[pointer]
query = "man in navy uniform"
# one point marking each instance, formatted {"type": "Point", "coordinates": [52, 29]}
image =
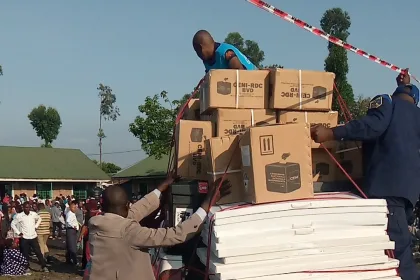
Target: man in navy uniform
{"type": "Point", "coordinates": [390, 133]}
{"type": "Point", "coordinates": [219, 55]}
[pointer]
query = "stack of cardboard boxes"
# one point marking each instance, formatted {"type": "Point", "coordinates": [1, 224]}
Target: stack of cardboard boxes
{"type": "Point", "coordinates": [274, 159]}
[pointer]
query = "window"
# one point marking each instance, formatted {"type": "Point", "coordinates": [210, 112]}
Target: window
{"type": "Point", "coordinates": [44, 190]}
{"type": "Point", "coordinates": [80, 191]}
{"type": "Point", "coordinates": [8, 189]}
{"type": "Point", "coordinates": [143, 189]}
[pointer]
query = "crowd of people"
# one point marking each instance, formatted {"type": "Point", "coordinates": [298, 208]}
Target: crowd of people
{"type": "Point", "coordinates": [27, 223]}
{"type": "Point", "coordinates": [119, 238]}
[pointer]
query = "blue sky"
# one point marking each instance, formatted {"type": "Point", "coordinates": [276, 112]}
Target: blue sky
{"type": "Point", "coordinates": [57, 52]}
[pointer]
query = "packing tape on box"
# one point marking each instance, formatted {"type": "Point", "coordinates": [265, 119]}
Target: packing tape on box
{"type": "Point", "coordinates": [318, 32]}
{"type": "Point", "coordinates": [237, 90]}
{"type": "Point", "coordinates": [223, 172]}
{"type": "Point", "coordinates": [300, 89]}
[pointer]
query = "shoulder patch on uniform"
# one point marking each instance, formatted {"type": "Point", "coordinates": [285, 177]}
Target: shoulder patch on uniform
{"type": "Point", "coordinates": [379, 100]}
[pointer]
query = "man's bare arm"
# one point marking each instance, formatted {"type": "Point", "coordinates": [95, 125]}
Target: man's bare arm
{"type": "Point", "coordinates": [233, 60]}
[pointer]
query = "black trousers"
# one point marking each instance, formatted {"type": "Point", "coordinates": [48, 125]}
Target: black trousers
{"type": "Point", "coordinates": [27, 244]}
{"type": "Point", "coordinates": [399, 214]}
{"type": "Point", "coordinates": [56, 226]}
{"type": "Point", "coordinates": [71, 245]}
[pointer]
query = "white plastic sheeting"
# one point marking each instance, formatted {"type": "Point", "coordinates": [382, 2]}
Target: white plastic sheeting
{"type": "Point", "coordinates": [300, 239]}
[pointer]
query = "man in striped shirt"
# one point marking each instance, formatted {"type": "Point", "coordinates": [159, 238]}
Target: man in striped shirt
{"type": "Point", "coordinates": [43, 230]}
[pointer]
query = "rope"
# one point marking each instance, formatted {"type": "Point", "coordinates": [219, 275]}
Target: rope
{"type": "Point", "coordinates": [172, 155]}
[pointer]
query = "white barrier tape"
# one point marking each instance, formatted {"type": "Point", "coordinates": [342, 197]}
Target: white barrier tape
{"type": "Point", "coordinates": [318, 32]}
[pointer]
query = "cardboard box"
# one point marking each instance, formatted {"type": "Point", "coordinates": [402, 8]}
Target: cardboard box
{"type": "Point", "coordinates": [219, 152]}
{"type": "Point", "coordinates": [192, 111]}
{"type": "Point", "coordinates": [277, 163]}
{"type": "Point", "coordinates": [324, 169]}
{"type": "Point", "coordinates": [349, 155]}
{"type": "Point", "coordinates": [236, 121]}
{"type": "Point", "coordinates": [234, 89]}
{"type": "Point", "coordinates": [301, 90]}
{"type": "Point", "coordinates": [327, 119]}
{"type": "Point", "coordinates": [190, 149]}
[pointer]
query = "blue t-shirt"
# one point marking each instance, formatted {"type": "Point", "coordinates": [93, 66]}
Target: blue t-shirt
{"type": "Point", "coordinates": [220, 61]}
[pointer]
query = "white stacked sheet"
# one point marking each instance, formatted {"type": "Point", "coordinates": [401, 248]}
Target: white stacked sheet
{"type": "Point", "coordinates": [291, 240]}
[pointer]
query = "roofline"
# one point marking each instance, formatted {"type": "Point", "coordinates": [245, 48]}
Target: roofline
{"type": "Point", "coordinates": [130, 166]}
{"type": "Point", "coordinates": [53, 180]}
{"type": "Point", "coordinates": [139, 177]}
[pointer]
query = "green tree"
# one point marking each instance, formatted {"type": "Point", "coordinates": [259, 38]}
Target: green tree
{"type": "Point", "coordinates": [154, 127]}
{"type": "Point", "coordinates": [1, 71]}
{"type": "Point", "coordinates": [337, 22]}
{"type": "Point", "coordinates": [46, 122]}
{"type": "Point", "coordinates": [108, 167]}
{"type": "Point", "coordinates": [249, 48]}
{"type": "Point", "coordinates": [360, 106]}
{"type": "Point", "coordinates": [273, 66]}
{"type": "Point", "coordinates": [108, 111]}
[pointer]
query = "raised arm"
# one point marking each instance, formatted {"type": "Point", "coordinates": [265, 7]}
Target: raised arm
{"type": "Point", "coordinates": [146, 205]}
{"type": "Point", "coordinates": [142, 237]}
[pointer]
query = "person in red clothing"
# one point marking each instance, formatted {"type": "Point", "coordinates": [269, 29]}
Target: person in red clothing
{"type": "Point", "coordinates": [86, 261]}
{"type": "Point", "coordinates": [6, 199]}
{"type": "Point", "coordinates": [91, 210]}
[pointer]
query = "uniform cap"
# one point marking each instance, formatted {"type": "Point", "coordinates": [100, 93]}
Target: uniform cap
{"type": "Point", "coordinates": [409, 89]}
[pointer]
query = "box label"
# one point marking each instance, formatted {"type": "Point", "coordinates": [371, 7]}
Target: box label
{"type": "Point", "coordinates": [283, 177]}
{"type": "Point", "coordinates": [266, 145]}
{"type": "Point", "coordinates": [248, 87]}
{"type": "Point", "coordinates": [225, 87]}
{"type": "Point", "coordinates": [236, 129]}
{"type": "Point", "coordinates": [196, 135]}
{"type": "Point", "coordinates": [203, 187]}
{"type": "Point", "coordinates": [197, 159]}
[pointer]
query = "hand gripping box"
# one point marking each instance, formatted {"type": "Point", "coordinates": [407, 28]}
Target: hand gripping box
{"type": "Point", "coordinates": [277, 163]}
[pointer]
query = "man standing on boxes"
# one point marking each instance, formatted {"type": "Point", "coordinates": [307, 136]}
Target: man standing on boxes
{"type": "Point", "coordinates": [390, 133]}
{"type": "Point", "coordinates": [219, 55]}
